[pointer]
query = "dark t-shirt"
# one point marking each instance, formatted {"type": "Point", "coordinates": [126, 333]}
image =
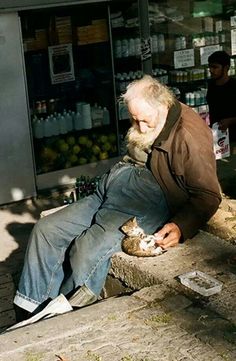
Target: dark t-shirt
{"type": "Point", "coordinates": [222, 103]}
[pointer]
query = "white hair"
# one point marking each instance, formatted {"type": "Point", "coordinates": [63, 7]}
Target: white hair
{"type": "Point", "coordinates": [150, 90]}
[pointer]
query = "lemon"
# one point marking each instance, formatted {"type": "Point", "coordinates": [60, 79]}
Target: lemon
{"type": "Point", "coordinates": [103, 138]}
{"type": "Point", "coordinates": [103, 155]}
{"type": "Point", "coordinates": [76, 149]}
{"type": "Point", "coordinates": [112, 137]}
{"type": "Point", "coordinates": [106, 146]}
{"type": "Point", "coordinates": [73, 158]}
{"type": "Point", "coordinates": [92, 159]}
{"type": "Point", "coordinates": [96, 149]}
{"type": "Point", "coordinates": [89, 143]}
{"type": "Point", "coordinates": [82, 139]}
{"type": "Point", "coordinates": [70, 140]}
{"type": "Point", "coordinates": [64, 147]}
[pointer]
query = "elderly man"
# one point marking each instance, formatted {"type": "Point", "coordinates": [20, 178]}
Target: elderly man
{"type": "Point", "coordinates": [167, 180]}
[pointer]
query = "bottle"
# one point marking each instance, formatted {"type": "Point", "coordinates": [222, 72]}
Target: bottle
{"type": "Point", "coordinates": [106, 116]}
{"type": "Point", "coordinates": [38, 107]}
{"type": "Point", "coordinates": [78, 121]}
{"type": "Point", "coordinates": [154, 44]}
{"type": "Point", "coordinates": [118, 52]}
{"type": "Point", "coordinates": [69, 122]}
{"type": "Point", "coordinates": [131, 47]}
{"type": "Point", "coordinates": [137, 46]}
{"type": "Point", "coordinates": [191, 99]}
{"type": "Point", "coordinates": [124, 48]}
{"type": "Point", "coordinates": [86, 116]}
{"type": "Point", "coordinates": [43, 107]}
{"type": "Point", "coordinates": [97, 115]}
{"type": "Point", "coordinates": [62, 124]}
{"type": "Point", "coordinates": [38, 131]}
{"type": "Point", "coordinates": [54, 125]}
{"type": "Point", "coordinates": [161, 43]}
{"type": "Point", "coordinates": [47, 127]}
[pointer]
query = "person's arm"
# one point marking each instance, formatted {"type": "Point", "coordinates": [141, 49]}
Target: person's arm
{"type": "Point", "coordinates": [198, 174]}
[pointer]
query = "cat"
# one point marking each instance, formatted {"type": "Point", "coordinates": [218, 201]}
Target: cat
{"type": "Point", "coordinates": [136, 242]}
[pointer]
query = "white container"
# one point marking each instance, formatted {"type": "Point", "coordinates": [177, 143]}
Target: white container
{"type": "Point", "coordinates": [131, 47]}
{"type": "Point", "coordinates": [201, 283]}
{"type": "Point", "coordinates": [86, 116]}
{"type": "Point", "coordinates": [78, 121]}
{"type": "Point", "coordinates": [106, 116]}
{"type": "Point", "coordinates": [62, 124]}
{"type": "Point", "coordinates": [118, 51]}
{"type": "Point", "coordinates": [38, 128]}
{"type": "Point", "coordinates": [69, 122]}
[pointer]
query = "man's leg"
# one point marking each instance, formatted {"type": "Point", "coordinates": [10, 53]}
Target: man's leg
{"type": "Point", "coordinates": [42, 273]}
{"type": "Point", "coordinates": [131, 192]}
{"type": "Point", "coordinates": [90, 256]}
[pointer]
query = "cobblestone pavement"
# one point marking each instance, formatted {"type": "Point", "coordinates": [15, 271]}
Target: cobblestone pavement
{"type": "Point", "coordinates": [153, 324]}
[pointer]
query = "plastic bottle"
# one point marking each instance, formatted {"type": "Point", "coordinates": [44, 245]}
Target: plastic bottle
{"type": "Point", "coordinates": [106, 116]}
{"type": "Point", "coordinates": [131, 47]}
{"type": "Point", "coordinates": [97, 115]}
{"type": "Point", "coordinates": [161, 43]}
{"type": "Point", "coordinates": [62, 124]}
{"type": "Point", "coordinates": [118, 52]}
{"type": "Point", "coordinates": [38, 131]}
{"type": "Point", "coordinates": [137, 46]}
{"type": "Point", "coordinates": [54, 125]}
{"type": "Point", "coordinates": [69, 122]}
{"type": "Point", "coordinates": [154, 44]}
{"type": "Point", "coordinates": [78, 121]}
{"type": "Point", "coordinates": [47, 127]}
{"type": "Point", "coordinates": [124, 48]}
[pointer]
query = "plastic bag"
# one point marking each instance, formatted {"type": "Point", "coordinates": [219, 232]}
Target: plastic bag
{"type": "Point", "coordinates": [221, 142]}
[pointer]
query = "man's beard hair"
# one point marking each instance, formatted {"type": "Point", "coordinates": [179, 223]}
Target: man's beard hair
{"type": "Point", "coordinates": [141, 140]}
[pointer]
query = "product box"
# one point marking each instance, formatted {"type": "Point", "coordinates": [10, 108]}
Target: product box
{"type": "Point", "coordinates": [94, 33]}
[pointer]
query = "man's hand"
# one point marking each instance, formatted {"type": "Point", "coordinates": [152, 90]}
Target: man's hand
{"type": "Point", "coordinates": [168, 236]}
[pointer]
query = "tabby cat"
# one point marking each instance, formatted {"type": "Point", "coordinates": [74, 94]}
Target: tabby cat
{"type": "Point", "coordinates": [136, 242]}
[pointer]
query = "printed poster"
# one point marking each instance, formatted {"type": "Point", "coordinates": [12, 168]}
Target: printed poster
{"type": "Point", "coordinates": [61, 63]}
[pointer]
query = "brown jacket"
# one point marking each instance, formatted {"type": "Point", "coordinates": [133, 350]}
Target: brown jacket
{"type": "Point", "coordinates": [183, 162]}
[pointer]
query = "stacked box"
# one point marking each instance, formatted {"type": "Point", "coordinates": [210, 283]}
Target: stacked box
{"type": "Point", "coordinates": [39, 42]}
{"type": "Point", "coordinates": [96, 32]}
{"type": "Point", "coordinates": [63, 29]}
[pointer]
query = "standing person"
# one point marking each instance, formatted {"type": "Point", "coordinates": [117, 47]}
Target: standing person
{"type": "Point", "coordinates": [221, 94]}
{"type": "Point", "coordinates": [167, 180]}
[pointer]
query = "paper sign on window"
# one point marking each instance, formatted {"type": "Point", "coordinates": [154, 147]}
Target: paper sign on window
{"type": "Point", "coordinates": [61, 63]}
{"type": "Point", "coordinates": [183, 58]}
{"type": "Point", "coordinates": [206, 51]}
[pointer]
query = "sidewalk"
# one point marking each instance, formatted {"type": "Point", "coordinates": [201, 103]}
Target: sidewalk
{"type": "Point", "coordinates": [161, 321]}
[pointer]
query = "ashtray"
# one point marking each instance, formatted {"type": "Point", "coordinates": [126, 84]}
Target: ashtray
{"type": "Point", "coordinates": [201, 283]}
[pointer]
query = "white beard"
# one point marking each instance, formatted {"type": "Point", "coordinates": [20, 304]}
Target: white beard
{"type": "Point", "coordinates": [143, 141]}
